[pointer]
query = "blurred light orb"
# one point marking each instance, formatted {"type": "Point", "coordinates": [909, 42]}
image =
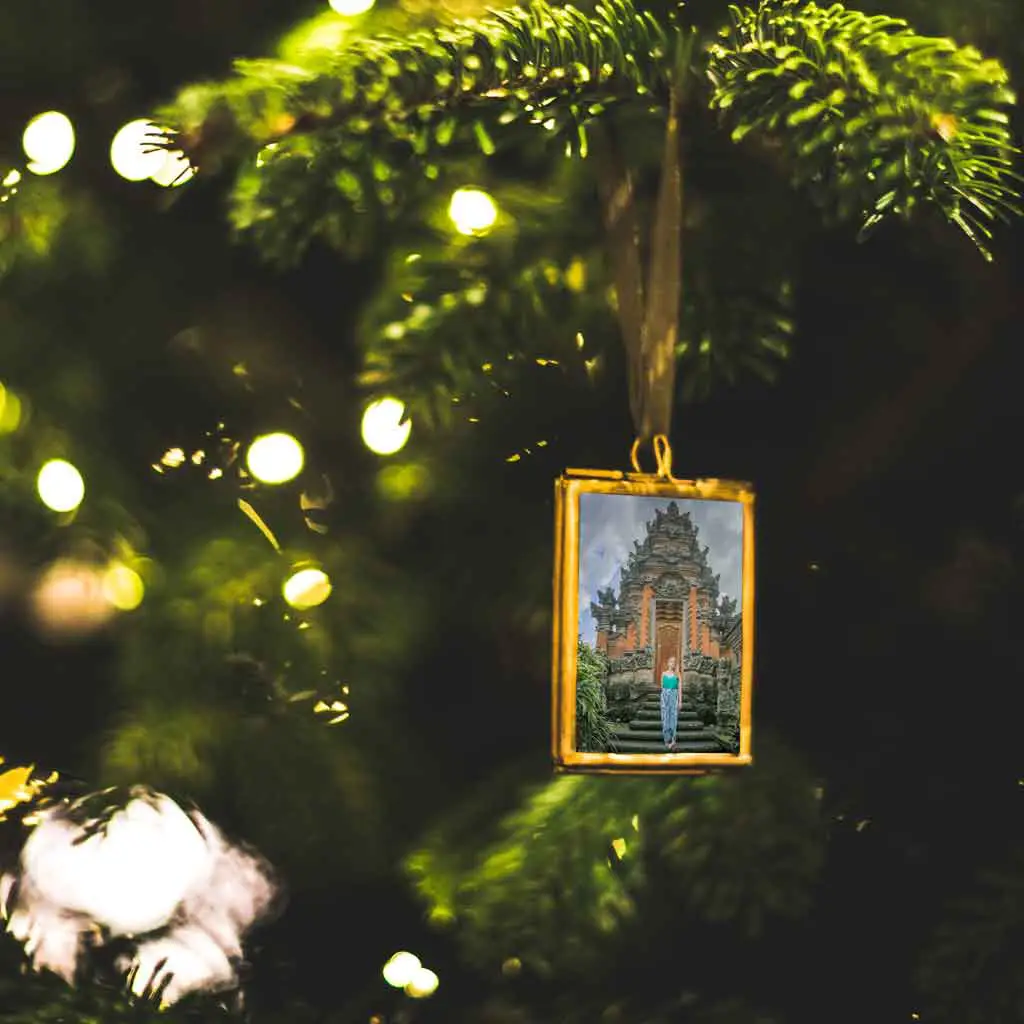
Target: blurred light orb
{"type": "Point", "coordinates": [307, 588]}
{"type": "Point", "coordinates": [10, 411]}
{"type": "Point", "coordinates": [472, 211]}
{"type": "Point", "coordinates": [401, 969]}
{"type": "Point", "coordinates": [131, 878]}
{"type": "Point", "coordinates": [123, 588]}
{"type": "Point", "coordinates": [175, 170]}
{"type": "Point", "coordinates": [131, 153]}
{"type": "Point", "coordinates": [69, 600]}
{"type": "Point", "coordinates": [383, 431]}
{"type": "Point", "coordinates": [49, 142]}
{"type": "Point", "coordinates": [11, 179]}
{"type": "Point", "coordinates": [351, 8]}
{"type": "Point", "coordinates": [275, 458]}
{"type": "Point", "coordinates": [422, 984]}
{"type": "Point", "coordinates": [403, 483]}
{"type": "Point", "coordinates": [60, 486]}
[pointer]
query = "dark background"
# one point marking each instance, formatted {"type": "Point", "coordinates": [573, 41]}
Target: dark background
{"type": "Point", "coordinates": [890, 514]}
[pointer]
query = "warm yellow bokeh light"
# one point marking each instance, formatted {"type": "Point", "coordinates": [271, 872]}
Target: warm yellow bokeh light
{"type": "Point", "coordinates": [131, 153]}
{"type": "Point", "coordinates": [10, 411]}
{"type": "Point", "coordinates": [49, 142]}
{"type": "Point", "coordinates": [403, 483]}
{"type": "Point", "coordinates": [351, 8]}
{"type": "Point", "coordinates": [307, 588]}
{"type": "Point", "coordinates": [11, 178]}
{"type": "Point", "coordinates": [384, 431]}
{"type": "Point", "coordinates": [401, 969]}
{"type": "Point", "coordinates": [423, 983]}
{"type": "Point", "coordinates": [275, 458]}
{"type": "Point", "coordinates": [69, 600]}
{"type": "Point", "coordinates": [175, 170]}
{"type": "Point", "coordinates": [123, 588]}
{"type": "Point", "coordinates": [472, 211]}
{"type": "Point", "coordinates": [60, 486]}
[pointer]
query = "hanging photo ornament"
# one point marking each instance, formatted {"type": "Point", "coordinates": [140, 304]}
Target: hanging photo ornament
{"type": "Point", "coordinates": [653, 625]}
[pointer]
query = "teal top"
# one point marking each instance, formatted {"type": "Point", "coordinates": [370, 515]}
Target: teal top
{"type": "Point", "coordinates": [669, 681]}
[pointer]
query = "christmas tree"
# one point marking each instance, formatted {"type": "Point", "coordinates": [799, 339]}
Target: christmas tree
{"type": "Point", "coordinates": [619, 181]}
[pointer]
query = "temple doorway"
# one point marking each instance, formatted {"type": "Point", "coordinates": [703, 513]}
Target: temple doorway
{"type": "Point", "coordinates": [669, 634]}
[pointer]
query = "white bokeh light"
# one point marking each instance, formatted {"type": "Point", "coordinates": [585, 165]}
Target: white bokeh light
{"type": "Point", "coordinates": [401, 969]}
{"type": "Point", "coordinates": [472, 211]}
{"type": "Point", "coordinates": [275, 458]}
{"type": "Point", "coordinates": [69, 600]}
{"type": "Point", "coordinates": [132, 878]}
{"type": "Point", "coordinates": [422, 984]}
{"type": "Point", "coordinates": [49, 142]}
{"type": "Point", "coordinates": [307, 588]}
{"type": "Point", "coordinates": [131, 152]}
{"type": "Point", "coordinates": [351, 8]}
{"type": "Point", "coordinates": [384, 431]}
{"type": "Point", "coordinates": [163, 879]}
{"type": "Point", "coordinates": [60, 486]}
{"type": "Point", "coordinates": [174, 171]}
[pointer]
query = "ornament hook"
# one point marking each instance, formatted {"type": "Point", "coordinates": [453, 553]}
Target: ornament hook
{"type": "Point", "coordinates": [662, 456]}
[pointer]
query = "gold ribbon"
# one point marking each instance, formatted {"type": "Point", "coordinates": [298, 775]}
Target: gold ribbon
{"type": "Point", "coordinates": [647, 305]}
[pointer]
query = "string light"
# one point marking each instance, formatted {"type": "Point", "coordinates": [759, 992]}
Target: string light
{"type": "Point", "coordinates": [383, 429]}
{"type": "Point", "coordinates": [423, 983]}
{"type": "Point", "coordinates": [351, 8]}
{"type": "Point", "coordinates": [307, 588]}
{"type": "Point", "coordinates": [49, 142]}
{"type": "Point", "coordinates": [275, 458]}
{"type": "Point", "coordinates": [60, 486]}
{"type": "Point", "coordinates": [472, 211]}
{"type": "Point", "coordinates": [401, 969]}
{"type": "Point", "coordinates": [132, 154]}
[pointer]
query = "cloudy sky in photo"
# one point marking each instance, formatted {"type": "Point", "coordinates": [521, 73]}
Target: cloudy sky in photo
{"type": "Point", "coordinates": [609, 523]}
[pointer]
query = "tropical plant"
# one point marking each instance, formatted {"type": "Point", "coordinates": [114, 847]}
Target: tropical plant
{"type": "Point", "coordinates": [593, 723]}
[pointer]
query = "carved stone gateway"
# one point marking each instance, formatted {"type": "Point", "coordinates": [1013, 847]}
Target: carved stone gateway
{"type": "Point", "coordinates": [668, 604]}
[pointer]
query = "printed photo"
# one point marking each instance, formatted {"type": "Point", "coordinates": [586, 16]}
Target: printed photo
{"type": "Point", "coordinates": [659, 594]}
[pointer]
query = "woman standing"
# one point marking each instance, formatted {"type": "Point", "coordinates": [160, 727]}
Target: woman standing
{"type": "Point", "coordinates": [669, 703]}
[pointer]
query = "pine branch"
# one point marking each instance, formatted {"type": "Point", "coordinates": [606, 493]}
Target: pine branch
{"type": "Point", "coordinates": [873, 118]}
{"type": "Point", "coordinates": [536, 62]}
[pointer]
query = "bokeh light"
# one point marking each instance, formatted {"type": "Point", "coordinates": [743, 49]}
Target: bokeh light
{"type": "Point", "coordinates": [123, 588]}
{"type": "Point", "coordinates": [275, 458]}
{"type": "Point", "coordinates": [422, 984]}
{"type": "Point", "coordinates": [401, 969]}
{"type": "Point", "coordinates": [472, 211]}
{"type": "Point", "coordinates": [175, 170]}
{"type": "Point", "coordinates": [384, 431]}
{"type": "Point", "coordinates": [49, 142]}
{"type": "Point", "coordinates": [165, 880]}
{"type": "Point", "coordinates": [409, 482]}
{"type": "Point", "coordinates": [351, 8]}
{"type": "Point", "coordinates": [131, 152]}
{"type": "Point", "coordinates": [69, 601]}
{"type": "Point", "coordinates": [60, 486]}
{"type": "Point", "coordinates": [307, 588]}
{"type": "Point", "coordinates": [10, 411]}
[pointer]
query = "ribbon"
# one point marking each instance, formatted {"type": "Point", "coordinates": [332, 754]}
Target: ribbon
{"type": "Point", "coordinates": [648, 309]}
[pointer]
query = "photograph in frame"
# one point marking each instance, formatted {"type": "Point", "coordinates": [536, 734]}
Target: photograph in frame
{"type": "Point", "coordinates": [653, 637]}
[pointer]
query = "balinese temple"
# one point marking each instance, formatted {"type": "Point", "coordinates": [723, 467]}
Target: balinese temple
{"type": "Point", "coordinates": [668, 599]}
{"type": "Point", "coordinates": [668, 605]}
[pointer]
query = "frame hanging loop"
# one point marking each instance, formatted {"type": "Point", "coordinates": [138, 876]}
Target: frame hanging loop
{"type": "Point", "coordinates": [662, 457]}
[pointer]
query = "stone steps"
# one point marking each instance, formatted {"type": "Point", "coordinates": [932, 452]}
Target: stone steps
{"type": "Point", "coordinates": [643, 733]}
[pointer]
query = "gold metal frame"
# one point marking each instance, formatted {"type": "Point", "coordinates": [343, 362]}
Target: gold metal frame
{"type": "Point", "coordinates": [568, 489]}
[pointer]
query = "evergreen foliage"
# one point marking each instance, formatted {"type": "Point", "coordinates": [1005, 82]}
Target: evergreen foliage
{"type": "Point", "coordinates": [352, 147]}
{"type": "Point", "coordinates": [572, 881]}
